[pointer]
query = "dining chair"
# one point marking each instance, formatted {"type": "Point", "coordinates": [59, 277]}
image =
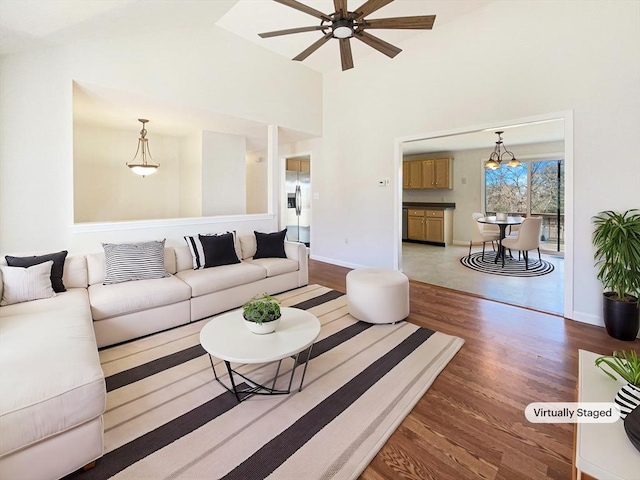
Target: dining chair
{"type": "Point", "coordinates": [528, 238]}
{"type": "Point", "coordinates": [479, 234]}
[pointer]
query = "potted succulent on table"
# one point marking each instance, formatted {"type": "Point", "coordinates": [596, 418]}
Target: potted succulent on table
{"type": "Point", "coordinates": [627, 366]}
{"type": "Point", "coordinates": [617, 256]}
{"type": "Point", "coordinates": [262, 314]}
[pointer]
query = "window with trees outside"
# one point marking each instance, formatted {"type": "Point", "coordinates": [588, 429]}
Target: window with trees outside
{"type": "Point", "coordinates": [534, 188]}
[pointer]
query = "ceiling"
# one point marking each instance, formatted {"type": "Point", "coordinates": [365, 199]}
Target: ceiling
{"type": "Point", "coordinates": [248, 18]}
{"type": "Point", "coordinates": [31, 24]}
{"type": "Point", "coordinates": [522, 134]}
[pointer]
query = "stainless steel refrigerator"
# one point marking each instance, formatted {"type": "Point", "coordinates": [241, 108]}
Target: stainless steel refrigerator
{"type": "Point", "coordinates": [298, 216]}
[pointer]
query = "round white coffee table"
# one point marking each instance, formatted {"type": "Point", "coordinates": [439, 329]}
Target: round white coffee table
{"type": "Point", "coordinates": [227, 337]}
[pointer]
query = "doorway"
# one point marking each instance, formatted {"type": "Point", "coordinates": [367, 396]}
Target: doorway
{"type": "Point", "coordinates": [297, 217]}
{"type": "Point", "coordinates": [441, 142]}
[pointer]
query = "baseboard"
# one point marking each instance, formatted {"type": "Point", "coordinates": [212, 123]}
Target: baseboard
{"type": "Point", "coordinates": [587, 318]}
{"type": "Point", "coordinates": [424, 242]}
{"type": "Point", "coordinates": [339, 263]}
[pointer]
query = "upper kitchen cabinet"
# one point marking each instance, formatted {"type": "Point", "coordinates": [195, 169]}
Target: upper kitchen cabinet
{"type": "Point", "coordinates": [298, 165]}
{"type": "Point", "coordinates": [428, 173]}
{"type": "Point", "coordinates": [412, 175]}
{"type": "Point", "coordinates": [435, 173]}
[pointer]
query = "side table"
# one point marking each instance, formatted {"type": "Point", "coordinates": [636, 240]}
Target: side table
{"type": "Point", "coordinates": [602, 450]}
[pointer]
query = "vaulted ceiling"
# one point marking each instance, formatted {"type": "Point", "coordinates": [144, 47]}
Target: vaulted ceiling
{"type": "Point", "coordinates": [33, 24]}
{"type": "Point", "coordinates": [26, 25]}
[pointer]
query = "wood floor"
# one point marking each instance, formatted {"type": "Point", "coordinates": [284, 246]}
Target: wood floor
{"type": "Point", "coordinates": [471, 424]}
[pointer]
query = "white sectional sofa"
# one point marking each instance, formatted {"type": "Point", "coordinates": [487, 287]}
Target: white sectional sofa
{"type": "Point", "coordinates": [52, 390]}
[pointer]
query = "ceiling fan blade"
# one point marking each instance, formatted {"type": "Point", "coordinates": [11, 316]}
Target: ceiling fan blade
{"type": "Point", "coordinates": [380, 45]}
{"type": "Point", "coordinates": [368, 7]}
{"type": "Point", "coordinates": [277, 33]}
{"type": "Point", "coordinates": [304, 8]}
{"type": "Point", "coordinates": [304, 54]}
{"type": "Point", "coordinates": [341, 7]}
{"type": "Point", "coordinates": [345, 54]}
{"type": "Point", "coordinates": [424, 22]}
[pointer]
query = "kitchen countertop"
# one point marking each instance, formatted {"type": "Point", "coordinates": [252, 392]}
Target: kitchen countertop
{"type": "Point", "coordinates": [431, 205]}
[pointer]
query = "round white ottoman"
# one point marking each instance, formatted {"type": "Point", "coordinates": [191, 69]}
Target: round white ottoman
{"type": "Point", "coordinates": [378, 295]}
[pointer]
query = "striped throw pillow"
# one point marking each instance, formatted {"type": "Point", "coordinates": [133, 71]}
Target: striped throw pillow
{"type": "Point", "coordinates": [125, 262]}
{"type": "Point", "coordinates": [197, 250]}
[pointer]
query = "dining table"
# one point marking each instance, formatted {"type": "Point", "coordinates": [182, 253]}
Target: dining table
{"type": "Point", "coordinates": [502, 223]}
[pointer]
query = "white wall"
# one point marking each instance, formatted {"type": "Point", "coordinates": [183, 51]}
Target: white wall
{"type": "Point", "coordinates": [190, 175]}
{"type": "Point", "coordinates": [507, 60]}
{"type": "Point", "coordinates": [257, 182]}
{"type": "Point", "coordinates": [224, 178]}
{"type": "Point", "coordinates": [468, 196]}
{"type": "Point", "coordinates": [36, 121]}
{"type": "Point", "coordinates": [105, 189]}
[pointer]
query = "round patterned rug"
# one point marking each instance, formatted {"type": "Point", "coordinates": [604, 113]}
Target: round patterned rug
{"type": "Point", "coordinates": [512, 267]}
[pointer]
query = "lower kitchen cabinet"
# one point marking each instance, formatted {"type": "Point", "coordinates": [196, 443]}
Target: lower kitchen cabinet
{"type": "Point", "coordinates": [433, 226]}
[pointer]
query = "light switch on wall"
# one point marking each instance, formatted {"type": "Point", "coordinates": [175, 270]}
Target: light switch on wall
{"type": "Point", "coordinates": [316, 196]}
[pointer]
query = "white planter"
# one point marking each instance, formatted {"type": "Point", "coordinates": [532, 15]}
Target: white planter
{"type": "Point", "coordinates": [627, 399]}
{"type": "Point", "coordinates": [262, 328]}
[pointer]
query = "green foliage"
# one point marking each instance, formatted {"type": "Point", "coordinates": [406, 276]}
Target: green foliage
{"type": "Point", "coordinates": [617, 242]}
{"type": "Point", "coordinates": [261, 308]}
{"type": "Point", "coordinates": [625, 364]}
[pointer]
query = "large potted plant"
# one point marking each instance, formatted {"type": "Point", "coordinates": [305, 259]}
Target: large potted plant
{"type": "Point", "coordinates": [617, 256]}
{"type": "Point", "coordinates": [262, 314]}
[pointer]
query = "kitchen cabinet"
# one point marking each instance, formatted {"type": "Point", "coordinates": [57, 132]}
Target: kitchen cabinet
{"type": "Point", "coordinates": [412, 175]}
{"type": "Point", "coordinates": [435, 173]}
{"type": "Point", "coordinates": [433, 226]}
{"type": "Point", "coordinates": [415, 224]}
{"type": "Point", "coordinates": [429, 173]}
{"type": "Point", "coordinates": [297, 165]}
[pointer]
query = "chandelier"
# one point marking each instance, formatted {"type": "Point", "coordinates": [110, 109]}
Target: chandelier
{"type": "Point", "coordinates": [142, 167]}
{"type": "Point", "coordinates": [495, 159]}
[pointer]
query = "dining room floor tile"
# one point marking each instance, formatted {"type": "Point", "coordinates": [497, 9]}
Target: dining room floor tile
{"type": "Point", "coordinates": [441, 266]}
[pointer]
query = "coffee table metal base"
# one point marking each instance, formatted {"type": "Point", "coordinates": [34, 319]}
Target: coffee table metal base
{"type": "Point", "coordinates": [255, 388]}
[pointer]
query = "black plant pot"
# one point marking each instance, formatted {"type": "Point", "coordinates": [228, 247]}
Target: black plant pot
{"type": "Point", "coordinates": [622, 319]}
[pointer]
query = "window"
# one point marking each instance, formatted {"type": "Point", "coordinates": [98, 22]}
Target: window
{"type": "Point", "coordinates": [534, 188]}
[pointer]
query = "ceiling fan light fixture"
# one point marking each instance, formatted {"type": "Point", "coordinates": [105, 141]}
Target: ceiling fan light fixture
{"type": "Point", "coordinates": [342, 28]}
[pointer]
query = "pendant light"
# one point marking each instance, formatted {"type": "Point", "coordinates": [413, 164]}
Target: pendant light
{"type": "Point", "coordinates": [143, 167]}
{"type": "Point", "coordinates": [495, 159]}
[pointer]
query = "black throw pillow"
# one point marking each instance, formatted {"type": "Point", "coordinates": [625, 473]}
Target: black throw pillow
{"type": "Point", "coordinates": [218, 250]}
{"type": "Point", "coordinates": [270, 245]}
{"type": "Point", "coordinates": [57, 268]}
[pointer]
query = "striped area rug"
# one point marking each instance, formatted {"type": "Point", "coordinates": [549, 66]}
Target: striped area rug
{"type": "Point", "coordinates": [512, 266]}
{"type": "Point", "coordinates": [168, 418]}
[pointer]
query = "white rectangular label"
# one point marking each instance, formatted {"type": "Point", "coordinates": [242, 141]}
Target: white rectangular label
{"type": "Point", "coordinates": [572, 412]}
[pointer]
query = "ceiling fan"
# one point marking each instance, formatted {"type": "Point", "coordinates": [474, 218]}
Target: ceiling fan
{"type": "Point", "coordinates": [344, 25]}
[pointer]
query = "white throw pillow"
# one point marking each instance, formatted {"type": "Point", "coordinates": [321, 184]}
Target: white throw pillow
{"type": "Point", "coordinates": [22, 284]}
